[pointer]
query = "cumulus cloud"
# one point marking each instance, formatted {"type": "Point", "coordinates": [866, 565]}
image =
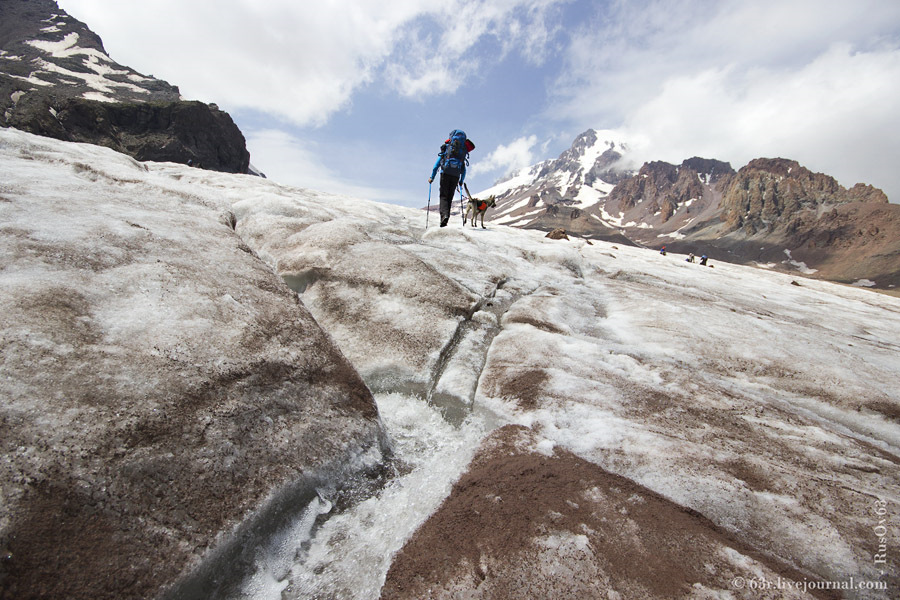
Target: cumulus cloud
{"type": "Point", "coordinates": [303, 62]}
{"type": "Point", "coordinates": [509, 157]}
{"type": "Point", "coordinates": [436, 53]}
{"type": "Point", "coordinates": [810, 80]}
{"type": "Point", "coordinates": [832, 115]}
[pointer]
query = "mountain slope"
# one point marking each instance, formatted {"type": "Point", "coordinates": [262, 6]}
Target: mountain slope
{"type": "Point", "coordinates": [772, 212]}
{"type": "Point", "coordinates": [57, 80]}
{"type": "Point", "coordinates": [564, 192]}
{"type": "Point", "coordinates": [776, 212]}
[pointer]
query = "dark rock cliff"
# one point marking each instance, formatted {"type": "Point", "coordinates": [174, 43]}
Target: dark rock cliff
{"type": "Point", "coordinates": [160, 131]}
{"type": "Point", "coordinates": [56, 80]}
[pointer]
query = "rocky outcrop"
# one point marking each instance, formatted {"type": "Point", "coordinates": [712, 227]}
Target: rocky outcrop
{"type": "Point", "coordinates": [159, 131]}
{"type": "Point", "coordinates": [774, 206]}
{"type": "Point", "coordinates": [855, 241]}
{"type": "Point", "coordinates": [652, 183]}
{"type": "Point", "coordinates": [659, 189]}
{"type": "Point", "coordinates": [56, 80]}
{"type": "Point", "coordinates": [768, 193]}
{"type": "Point", "coordinates": [664, 187]}
{"type": "Point", "coordinates": [557, 234]}
{"type": "Point", "coordinates": [167, 400]}
{"type": "Point", "coordinates": [771, 211]}
{"type": "Point", "coordinates": [775, 197]}
{"type": "Point", "coordinates": [862, 192]}
{"type": "Point", "coordinates": [709, 170]}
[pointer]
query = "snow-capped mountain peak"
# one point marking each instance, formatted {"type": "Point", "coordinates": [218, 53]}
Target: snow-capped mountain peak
{"type": "Point", "coordinates": [582, 176]}
{"type": "Point", "coordinates": [769, 207]}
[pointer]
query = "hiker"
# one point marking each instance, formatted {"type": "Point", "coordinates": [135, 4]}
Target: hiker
{"type": "Point", "coordinates": [662, 250]}
{"type": "Point", "coordinates": [452, 159]}
{"type": "Point", "coordinates": [703, 260]}
{"type": "Point", "coordinates": [690, 258]}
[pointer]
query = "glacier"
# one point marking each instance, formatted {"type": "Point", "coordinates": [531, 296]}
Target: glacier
{"type": "Point", "coordinates": [764, 405]}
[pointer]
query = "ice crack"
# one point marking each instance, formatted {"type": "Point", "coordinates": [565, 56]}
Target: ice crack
{"type": "Point", "coordinates": [462, 360]}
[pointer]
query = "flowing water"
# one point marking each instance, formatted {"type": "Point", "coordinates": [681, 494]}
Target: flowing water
{"type": "Point", "coordinates": [347, 555]}
{"type": "Point", "coordinates": [331, 554]}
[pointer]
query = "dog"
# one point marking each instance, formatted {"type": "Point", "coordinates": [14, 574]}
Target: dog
{"type": "Point", "coordinates": [478, 207]}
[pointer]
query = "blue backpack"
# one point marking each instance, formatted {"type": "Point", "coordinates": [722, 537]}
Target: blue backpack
{"type": "Point", "coordinates": [455, 153]}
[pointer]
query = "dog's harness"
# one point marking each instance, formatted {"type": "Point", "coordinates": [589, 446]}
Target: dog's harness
{"type": "Point", "coordinates": [478, 204]}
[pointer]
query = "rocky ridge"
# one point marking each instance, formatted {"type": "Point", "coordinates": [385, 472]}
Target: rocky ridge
{"type": "Point", "coordinates": [659, 189]}
{"type": "Point", "coordinates": [769, 195]}
{"type": "Point", "coordinates": [771, 212]}
{"type": "Point", "coordinates": [57, 80]}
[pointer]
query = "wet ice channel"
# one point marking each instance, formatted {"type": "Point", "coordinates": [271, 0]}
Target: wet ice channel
{"type": "Point", "coordinates": [347, 555]}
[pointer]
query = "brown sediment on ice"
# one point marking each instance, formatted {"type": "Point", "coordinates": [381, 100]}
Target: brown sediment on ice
{"type": "Point", "coordinates": [526, 524]}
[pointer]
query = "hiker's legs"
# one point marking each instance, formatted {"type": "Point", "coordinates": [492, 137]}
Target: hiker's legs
{"type": "Point", "coordinates": [448, 190]}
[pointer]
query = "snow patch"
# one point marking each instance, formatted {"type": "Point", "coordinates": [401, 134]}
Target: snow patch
{"type": "Point", "coordinates": [799, 265]}
{"type": "Point", "coordinates": [61, 49]}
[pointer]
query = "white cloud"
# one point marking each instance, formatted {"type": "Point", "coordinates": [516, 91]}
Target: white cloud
{"type": "Point", "coordinates": [813, 81]}
{"type": "Point", "coordinates": [507, 158]}
{"type": "Point", "coordinates": [303, 61]}
{"type": "Point", "coordinates": [437, 54]}
{"type": "Point", "coordinates": [833, 115]}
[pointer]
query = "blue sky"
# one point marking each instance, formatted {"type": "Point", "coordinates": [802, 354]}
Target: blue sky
{"type": "Point", "coordinates": [355, 97]}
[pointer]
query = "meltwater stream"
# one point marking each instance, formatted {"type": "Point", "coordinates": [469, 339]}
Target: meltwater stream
{"type": "Point", "coordinates": [347, 556]}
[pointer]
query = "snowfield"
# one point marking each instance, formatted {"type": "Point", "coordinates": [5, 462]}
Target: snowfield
{"type": "Point", "coordinates": [756, 411]}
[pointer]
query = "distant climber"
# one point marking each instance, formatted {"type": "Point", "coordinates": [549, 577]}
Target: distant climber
{"type": "Point", "coordinates": [662, 250]}
{"type": "Point", "coordinates": [690, 258]}
{"type": "Point", "coordinates": [452, 160]}
{"type": "Point", "coordinates": [703, 260]}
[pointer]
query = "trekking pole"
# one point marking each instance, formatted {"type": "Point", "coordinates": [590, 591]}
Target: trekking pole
{"type": "Point", "coordinates": [428, 212]}
{"type": "Point", "coordinates": [462, 205]}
